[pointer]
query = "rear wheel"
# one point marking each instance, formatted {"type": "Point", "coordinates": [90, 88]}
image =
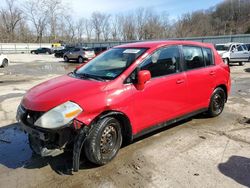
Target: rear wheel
{"type": "Point", "coordinates": [66, 59]}
{"type": "Point", "coordinates": [217, 102]}
{"type": "Point", "coordinates": [104, 141]}
{"type": "Point", "coordinates": [5, 63]}
{"type": "Point", "coordinates": [80, 60]}
{"type": "Point", "coordinates": [241, 63]}
{"type": "Point", "coordinates": [226, 61]}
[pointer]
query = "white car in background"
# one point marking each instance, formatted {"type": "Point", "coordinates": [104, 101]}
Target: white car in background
{"type": "Point", "coordinates": [233, 53]}
{"type": "Point", "coordinates": [4, 60]}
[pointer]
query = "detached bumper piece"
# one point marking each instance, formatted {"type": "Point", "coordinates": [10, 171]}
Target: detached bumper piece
{"type": "Point", "coordinates": [78, 144]}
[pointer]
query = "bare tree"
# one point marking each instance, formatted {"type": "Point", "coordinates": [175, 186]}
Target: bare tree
{"type": "Point", "coordinates": [128, 27]}
{"type": "Point", "coordinates": [36, 11]}
{"type": "Point", "coordinates": [101, 25]}
{"type": "Point", "coordinates": [88, 25]}
{"type": "Point", "coordinates": [55, 10]}
{"type": "Point", "coordinates": [80, 29]}
{"type": "Point", "coordinates": [106, 27]}
{"type": "Point", "coordinates": [115, 28]}
{"type": "Point", "coordinates": [70, 29]}
{"type": "Point", "coordinates": [10, 16]}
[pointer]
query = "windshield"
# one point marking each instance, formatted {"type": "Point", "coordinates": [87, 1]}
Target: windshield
{"type": "Point", "coordinates": [111, 63]}
{"type": "Point", "coordinates": [222, 47]}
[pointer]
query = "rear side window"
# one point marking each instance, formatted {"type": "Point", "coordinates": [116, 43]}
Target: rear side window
{"type": "Point", "coordinates": [208, 56]}
{"type": "Point", "coordinates": [163, 62]}
{"type": "Point", "coordinates": [239, 48]}
{"type": "Point", "coordinates": [76, 49]}
{"type": "Point", "coordinates": [193, 57]}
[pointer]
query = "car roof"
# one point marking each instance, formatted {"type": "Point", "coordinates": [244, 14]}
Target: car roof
{"type": "Point", "coordinates": [230, 43]}
{"type": "Point", "coordinates": [158, 44]}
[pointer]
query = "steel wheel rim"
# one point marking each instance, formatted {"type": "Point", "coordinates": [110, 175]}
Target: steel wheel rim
{"type": "Point", "coordinates": [108, 139]}
{"type": "Point", "coordinates": [80, 60]}
{"type": "Point", "coordinates": [218, 103]}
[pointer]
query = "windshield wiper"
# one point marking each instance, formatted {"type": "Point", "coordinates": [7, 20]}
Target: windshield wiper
{"type": "Point", "coordinates": [92, 76]}
{"type": "Point", "coordinates": [88, 76]}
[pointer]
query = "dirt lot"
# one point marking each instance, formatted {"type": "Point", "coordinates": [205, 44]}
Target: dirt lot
{"type": "Point", "coordinates": [198, 152]}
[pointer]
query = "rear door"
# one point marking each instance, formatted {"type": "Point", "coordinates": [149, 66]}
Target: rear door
{"type": "Point", "coordinates": [74, 53]}
{"type": "Point", "coordinates": [165, 95]}
{"type": "Point", "coordinates": [200, 78]}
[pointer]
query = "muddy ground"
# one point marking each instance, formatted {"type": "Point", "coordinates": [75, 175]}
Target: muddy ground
{"type": "Point", "coordinates": [198, 152]}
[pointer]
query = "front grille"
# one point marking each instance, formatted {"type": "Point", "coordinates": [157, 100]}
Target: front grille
{"type": "Point", "coordinates": [29, 117]}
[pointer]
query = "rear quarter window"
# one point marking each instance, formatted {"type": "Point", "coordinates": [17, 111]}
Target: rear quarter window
{"type": "Point", "coordinates": [208, 56]}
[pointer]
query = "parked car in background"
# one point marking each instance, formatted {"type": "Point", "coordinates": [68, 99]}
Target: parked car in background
{"type": "Point", "coordinates": [122, 94]}
{"type": "Point", "coordinates": [233, 53]}
{"type": "Point", "coordinates": [99, 50]}
{"type": "Point", "coordinates": [4, 61]}
{"type": "Point", "coordinates": [61, 52]}
{"type": "Point", "coordinates": [42, 51]}
{"type": "Point", "coordinates": [79, 54]}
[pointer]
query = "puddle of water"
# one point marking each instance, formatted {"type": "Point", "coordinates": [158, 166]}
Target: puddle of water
{"type": "Point", "coordinates": [41, 68]}
{"type": "Point", "coordinates": [14, 149]}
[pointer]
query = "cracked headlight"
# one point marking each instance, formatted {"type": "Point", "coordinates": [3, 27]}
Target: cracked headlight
{"type": "Point", "coordinates": [59, 116]}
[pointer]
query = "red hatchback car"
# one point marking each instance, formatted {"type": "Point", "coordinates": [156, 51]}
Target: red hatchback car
{"type": "Point", "coordinates": [121, 94]}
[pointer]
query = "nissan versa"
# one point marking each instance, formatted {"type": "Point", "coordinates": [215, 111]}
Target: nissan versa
{"type": "Point", "coordinates": [121, 94]}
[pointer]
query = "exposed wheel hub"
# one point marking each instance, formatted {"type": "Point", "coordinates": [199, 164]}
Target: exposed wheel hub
{"type": "Point", "coordinates": [218, 102]}
{"type": "Point", "coordinates": [108, 139]}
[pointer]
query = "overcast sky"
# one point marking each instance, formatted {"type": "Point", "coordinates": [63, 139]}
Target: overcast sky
{"type": "Point", "coordinates": [174, 8]}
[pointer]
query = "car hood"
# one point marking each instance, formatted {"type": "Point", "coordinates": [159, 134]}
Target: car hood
{"type": "Point", "coordinates": [54, 92]}
{"type": "Point", "coordinates": [221, 52]}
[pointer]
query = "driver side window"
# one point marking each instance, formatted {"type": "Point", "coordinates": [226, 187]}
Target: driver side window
{"type": "Point", "coordinates": [163, 62]}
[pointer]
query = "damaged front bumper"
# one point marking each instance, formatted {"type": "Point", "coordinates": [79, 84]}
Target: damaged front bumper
{"type": "Point", "coordinates": [52, 142]}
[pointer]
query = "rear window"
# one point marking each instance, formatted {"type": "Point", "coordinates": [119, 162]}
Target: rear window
{"type": "Point", "coordinates": [208, 56]}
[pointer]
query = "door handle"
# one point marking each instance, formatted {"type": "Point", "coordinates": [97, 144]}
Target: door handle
{"type": "Point", "coordinates": [245, 53]}
{"type": "Point", "coordinates": [212, 73]}
{"type": "Point", "coordinates": [180, 81]}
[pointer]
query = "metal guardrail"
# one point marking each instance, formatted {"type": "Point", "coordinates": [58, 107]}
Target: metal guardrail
{"type": "Point", "coordinates": [21, 47]}
{"type": "Point", "coordinates": [27, 47]}
{"type": "Point", "coordinates": [244, 38]}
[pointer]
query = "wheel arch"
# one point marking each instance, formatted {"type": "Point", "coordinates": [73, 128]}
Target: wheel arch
{"type": "Point", "coordinates": [224, 87]}
{"type": "Point", "coordinates": [123, 119]}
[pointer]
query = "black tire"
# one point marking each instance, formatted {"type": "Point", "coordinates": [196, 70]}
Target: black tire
{"type": "Point", "coordinates": [5, 63]}
{"type": "Point", "coordinates": [104, 141]}
{"type": "Point", "coordinates": [226, 61]}
{"type": "Point", "coordinates": [66, 59]}
{"type": "Point", "coordinates": [217, 102]}
{"type": "Point", "coordinates": [80, 59]}
{"type": "Point", "coordinates": [241, 63]}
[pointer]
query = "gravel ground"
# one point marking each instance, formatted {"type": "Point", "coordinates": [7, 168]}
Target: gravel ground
{"type": "Point", "coordinates": [198, 152]}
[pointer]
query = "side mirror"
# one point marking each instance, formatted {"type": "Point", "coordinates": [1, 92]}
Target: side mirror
{"type": "Point", "coordinates": [142, 77]}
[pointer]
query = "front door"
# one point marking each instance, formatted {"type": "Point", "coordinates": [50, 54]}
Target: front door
{"type": "Point", "coordinates": [164, 96]}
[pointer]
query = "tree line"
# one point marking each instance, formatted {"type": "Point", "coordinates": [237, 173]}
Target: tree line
{"type": "Point", "coordinates": [51, 21]}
